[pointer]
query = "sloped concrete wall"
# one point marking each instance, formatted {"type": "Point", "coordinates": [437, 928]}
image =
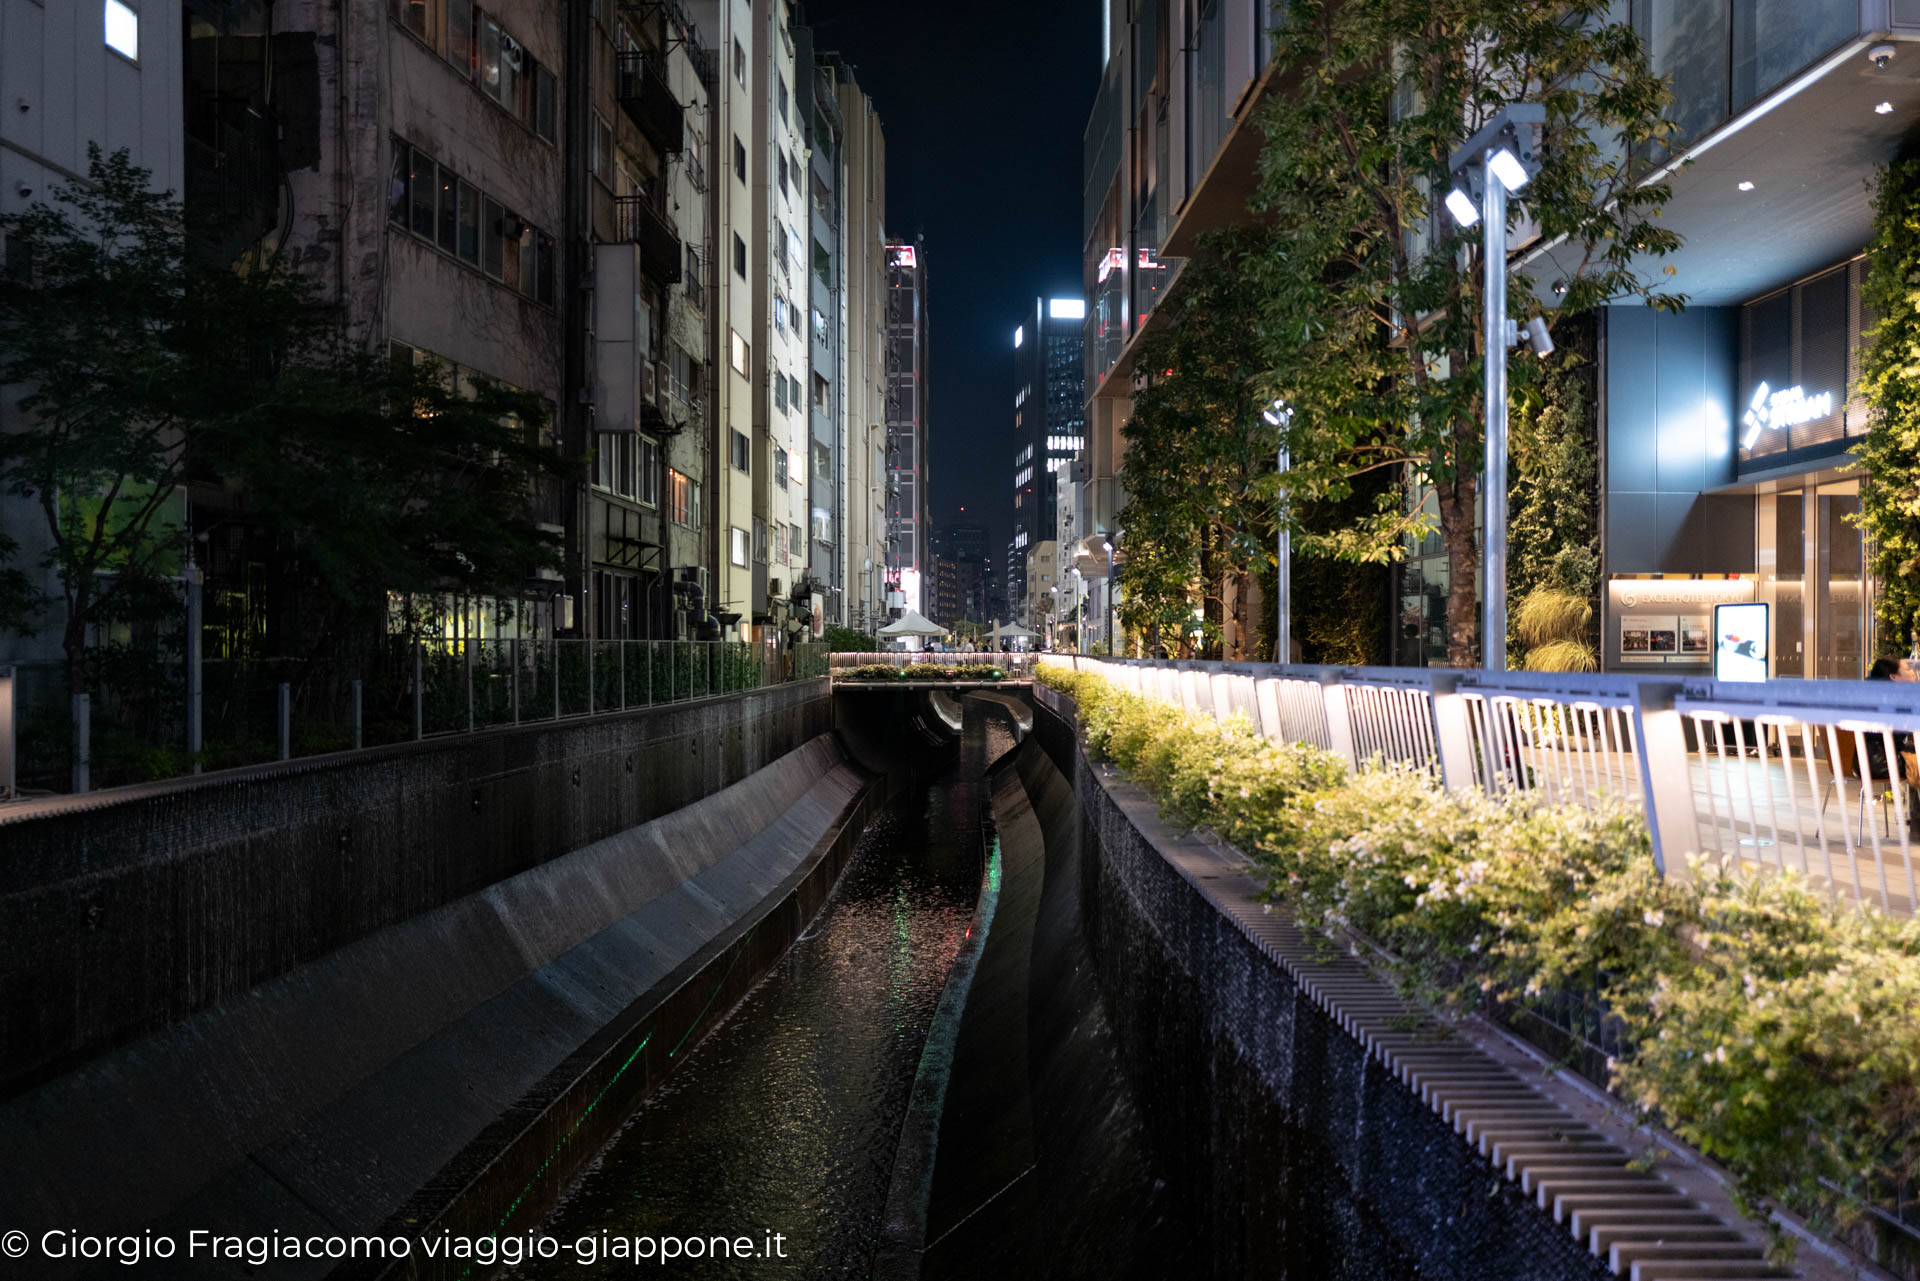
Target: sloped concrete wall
{"type": "Point", "coordinates": [455, 1069]}
{"type": "Point", "coordinates": [126, 911]}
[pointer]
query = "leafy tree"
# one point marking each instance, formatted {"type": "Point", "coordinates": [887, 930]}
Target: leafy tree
{"type": "Point", "coordinates": [1553, 530]}
{"type": "Point", "coordinates": [1199, 470]}
{"type": "Point", "coordinates": [1373, 296]}
{"type": "Point", "coordinates": [153, 374]}
{"type": "Point", "coordinates": [1890, 500]}
{"type": "Point", "coordinates": [844, 640]}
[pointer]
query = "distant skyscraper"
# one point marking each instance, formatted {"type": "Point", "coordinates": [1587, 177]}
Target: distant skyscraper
{"type": "Point", "coordinates": [1049, 422]}
{"type": "Point", "coordinates": [907, 422]}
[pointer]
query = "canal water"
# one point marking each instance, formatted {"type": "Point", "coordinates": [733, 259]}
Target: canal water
{"type": "Point", "coordinates": [786, 1118]}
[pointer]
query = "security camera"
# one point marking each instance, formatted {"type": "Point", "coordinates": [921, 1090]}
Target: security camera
{"type": "Point", "coordinates": [1538, 338]}
{"type": "Point", "coordinates": [1880, 55]}
{"type": "Point", "coordinates": [24, 190]}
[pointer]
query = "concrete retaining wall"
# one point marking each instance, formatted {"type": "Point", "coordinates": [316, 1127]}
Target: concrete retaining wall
{"type": "Point", "coordinates": [1295, 1151]}
{"type": "Point", "coordinates": [452, 1070]}
{"type": "Point", "coordinates": [126, 911]}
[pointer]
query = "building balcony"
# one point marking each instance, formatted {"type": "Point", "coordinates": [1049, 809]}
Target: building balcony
{"type": "Point", "coordinates": [647, 98]}
{"type": "Point", "coordinates": [643, 221]}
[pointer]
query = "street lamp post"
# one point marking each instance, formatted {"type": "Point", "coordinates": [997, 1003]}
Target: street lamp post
{"type": "Point", "coordinates": [1280, 415]}
{"type": "Point", "coordinates": [1501, 158]}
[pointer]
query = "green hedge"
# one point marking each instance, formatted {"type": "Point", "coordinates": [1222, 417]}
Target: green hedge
{"type": "Point", "coordinates": [1774, 1030]}
{"type": "Point", "coordinates": [920, 672]}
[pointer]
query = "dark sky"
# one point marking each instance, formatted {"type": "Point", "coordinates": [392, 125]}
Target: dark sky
{"type": "Point", "coordinates": [984, 107]}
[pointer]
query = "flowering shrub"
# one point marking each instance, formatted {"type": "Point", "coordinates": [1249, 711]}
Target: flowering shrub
{"type": "Point", "coordinates": [1773, 1030]}
{"type": "Point", "coordinates": [920, 672]}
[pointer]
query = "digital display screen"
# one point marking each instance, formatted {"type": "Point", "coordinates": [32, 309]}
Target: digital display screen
{"type": "Point", "coordinates": [1741, 642]}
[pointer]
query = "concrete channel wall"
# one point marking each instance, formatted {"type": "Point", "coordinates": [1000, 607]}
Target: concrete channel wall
{"type": "Point", "coordinates": [128, 910]}
{"type": "Point", "coordinates": [1312, 1122]}
{"type": "Point", "coordinates": [453, 1071]}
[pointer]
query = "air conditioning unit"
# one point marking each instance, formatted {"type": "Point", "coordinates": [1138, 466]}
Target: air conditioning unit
{"type": "Point", "coordinates": [649, 392]}
{"type": "Point", "coordinates": [691, 581]}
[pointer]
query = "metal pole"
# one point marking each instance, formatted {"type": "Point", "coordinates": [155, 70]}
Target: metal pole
{"type": "Point", "coordinates": [419, 697]}
{"type": "Point", "coordinates": [8, 781]}
{"type": "Point", "coordinates": [466, 655]}
{"type": "Point", "coordinates": [1283, 570]}
{"type": "Point", "coordinates": [589, 645]}
{"type": "Point", "coordinates": [82, 742]}
{"type": "Point", "coordinates": [195, 730]}
{"type": "Point", "coordinates": [621, 647]}
{"type": "Point", "coordinates": [513, 661]}
{"type": "Point", "coordinates": [285, 701]}
{"type": "Point", "coordinates": [359, 721]}
{"type": "Point", "coordinates": [556, 678]}
{"type": "Point", "coordinates": [1493, 616]}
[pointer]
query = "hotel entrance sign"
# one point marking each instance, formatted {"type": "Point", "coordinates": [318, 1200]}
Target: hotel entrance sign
{"type": "Point", "coordinates": [1771, 410]}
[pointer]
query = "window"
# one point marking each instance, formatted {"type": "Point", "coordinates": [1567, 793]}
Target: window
{"type": "Point", "coordinates": [739, 63]}
{"type": "Point", "coordinates": [819, 324]}
{"type": "Point", "coordinates": [779, 314]}
{"type": "Point", "coordinates": [822, 263]}
{"type": "Point", "coordinates": [423, 185]}
{"type": "Point", "coordinates": [679, 373]}
{"type": "Point", "coordinates": [400, 185]}
{"type": "Point", "coordinates": [647, 490]}
{"type": "Point", "coordinates": [783, 97]}
{"type": "Point", "coordinates": [739, 256]}
{"type": "Point", "coordinates": [780, 392]}
{"type": "Point", "coordinates": [739, 549]}
{"type": "Point", "coordinates": [545, 104]}
{"type": "Point", "coordinates": [493, 238]}
{"type": "Point", "coordinates": [460, 46]}
{"type": "Point", "coordinates": [448, 236]}
{"type": "Point", "coordinates": [799, 543]}
{"type": "Point", "coordinates": [123, 30]}
{"type": "Point", "coordinates": [780, 247]}
{"type": "Point", "coordinates": [759, 540]}
{"type": "Point", "coordinates": [469, 215]}
{"type": "Point", "coordinates": [793, 392]}
{"type": "Point", "coordinates": [742, 452]}
{"type": "Point", "coordinates": [600, 155]}
{"type": "Point", "coordinates": [781, 156]}
{"type": "Point", "coordinates": [679, 498]}
{"type": "Point", "coordinates": [742, 356]}
{"type": "Point", "coordinates": [822, 395]}
{"type": "Point", "coordinates": [613, 463]}
{"type": "Point", "coordinates": [739, 159]}
{"type": "Point", "coordinates": [780, 467]}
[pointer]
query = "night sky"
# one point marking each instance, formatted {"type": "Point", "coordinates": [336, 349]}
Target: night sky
{"type": "Point", "coordinates": [984, 107]}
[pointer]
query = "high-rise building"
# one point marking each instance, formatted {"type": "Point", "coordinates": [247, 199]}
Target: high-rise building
{"type": "Point", "coordinates": [907, 404]}
{"type": "Point", "coordinates": [1049, 420]}
{"type": "Point", "coordinates": [863, 401]}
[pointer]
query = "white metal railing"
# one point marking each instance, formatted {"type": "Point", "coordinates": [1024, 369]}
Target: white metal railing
{"type": "Point", "coordinates": [1810, 776]}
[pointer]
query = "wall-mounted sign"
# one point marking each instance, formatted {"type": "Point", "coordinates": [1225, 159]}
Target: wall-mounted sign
{"type": "Point", "coordinates": [1771, 410]}
{"type": "Point", "coordinates": [1741, 642]}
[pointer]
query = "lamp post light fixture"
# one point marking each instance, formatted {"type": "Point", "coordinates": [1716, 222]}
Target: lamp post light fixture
{"type": "Point", "coordinates": [1280, 414]}
{"type": "Point", "coordinates": [1498, 160]}
{"type": "Point", "coordinates": [1113, 649]}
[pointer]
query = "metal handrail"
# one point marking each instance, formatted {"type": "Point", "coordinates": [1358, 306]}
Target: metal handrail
{"type": "Point", "coordinates": [1813, 777]}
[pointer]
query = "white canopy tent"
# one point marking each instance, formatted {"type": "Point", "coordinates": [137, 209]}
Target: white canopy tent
{"type": "Point", "coordinates": [912, 624]}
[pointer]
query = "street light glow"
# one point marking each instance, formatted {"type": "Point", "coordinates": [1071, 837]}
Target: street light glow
{"type": "Point", "coordinates": [1505, 166]}
{"type": "Point", "coordinates": [1460, 205]}
{"type": "Point", "coordinates": [1276, 413]}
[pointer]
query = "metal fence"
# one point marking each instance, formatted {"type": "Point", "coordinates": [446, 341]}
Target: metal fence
{"type": "Point", "coordinates": [260, 712]}
{"type": "Point", "coordinates": [1815, 776]}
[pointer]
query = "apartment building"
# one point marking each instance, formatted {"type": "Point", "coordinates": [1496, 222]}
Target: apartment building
{"type": "Point", "coordinates": [826, 327]}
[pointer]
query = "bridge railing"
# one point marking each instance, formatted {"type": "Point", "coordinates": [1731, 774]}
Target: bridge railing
{"type": "Point", "coordinates": [1811, 776]}
{"type": "Point", "coordinates": [1014, 666]}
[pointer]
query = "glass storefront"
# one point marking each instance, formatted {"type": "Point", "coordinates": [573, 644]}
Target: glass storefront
{"type": "Point", "coordinates": [1810, 552]}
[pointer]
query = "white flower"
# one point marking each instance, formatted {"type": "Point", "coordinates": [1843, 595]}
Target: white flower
{"type": "Point", "coordinates": [1654, 917]}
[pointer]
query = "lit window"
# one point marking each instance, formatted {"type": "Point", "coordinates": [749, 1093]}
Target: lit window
{"type": "Point", "coordinates": [742, 356]}
{"type": "Point", "coordinates": [739, 549]}
{"type": "Point", "coordinates": [123, 29]}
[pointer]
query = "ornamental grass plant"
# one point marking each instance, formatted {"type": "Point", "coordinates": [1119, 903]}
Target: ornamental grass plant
{"type": "Point", "coordinates": [1773, 1029]}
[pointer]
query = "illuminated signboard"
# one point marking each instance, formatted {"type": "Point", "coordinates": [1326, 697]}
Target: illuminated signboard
{"type": "Point", "coordinates": [1740, 642]}
{"type": "Point", "coordinates": [905, 256]}
{"type": "Point", "coordinates": [1771, 410]}
{"type": "Point", "coordinates": [1114, 261]}
{"type": "Point", "coordinates": [1019, 335]}
{"type": "Point", "coordinates": [1067, 308]}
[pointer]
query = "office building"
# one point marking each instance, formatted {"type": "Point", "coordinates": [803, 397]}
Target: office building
{"type": "Point", "coordinates": [1049, 419]}
{"type": "Point", "coordinates": [907, 405]}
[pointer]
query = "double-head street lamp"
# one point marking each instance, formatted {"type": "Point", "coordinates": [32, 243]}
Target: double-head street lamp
{"type": "Point", "coordinates": [1502, 158]}
{"type": "Point", "coordinates": [1113, 648]}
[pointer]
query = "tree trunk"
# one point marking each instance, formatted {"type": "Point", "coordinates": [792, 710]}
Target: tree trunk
{"type": "Point", "coordinates": [1463, 560]}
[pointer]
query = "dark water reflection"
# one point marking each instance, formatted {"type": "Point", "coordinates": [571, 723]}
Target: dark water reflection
{"type": "Point", "coordinates": [787, 1117]}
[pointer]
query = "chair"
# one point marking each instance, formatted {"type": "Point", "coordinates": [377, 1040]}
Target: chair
{"type": "Point", "coordinates": [1843, 755]}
